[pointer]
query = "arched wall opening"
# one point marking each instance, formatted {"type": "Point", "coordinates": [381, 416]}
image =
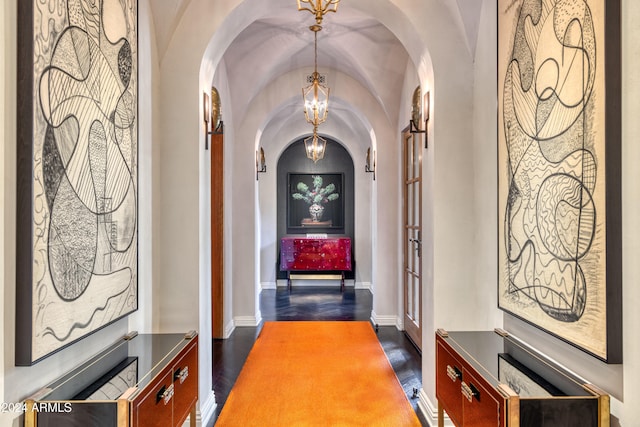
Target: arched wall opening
{"type": "Point", "coordinates": [285, 129]}
{"type": "Point", "coordinates": [325, 188]}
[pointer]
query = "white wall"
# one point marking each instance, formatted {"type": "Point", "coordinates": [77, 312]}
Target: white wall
{"type": "Point", "coordinates": [183, 284]}
{"type": "Point", "coordinates": [485, 165]}
{"type": "Point", "coordinates": [448, 191]}
{"type": "Point", "coordinates": [149, 217]}
{"type": "Point", "coordinates": [627, 406]}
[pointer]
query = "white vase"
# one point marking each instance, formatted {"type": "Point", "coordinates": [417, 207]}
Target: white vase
{"type": "Point", "coordinates": [316, 211]}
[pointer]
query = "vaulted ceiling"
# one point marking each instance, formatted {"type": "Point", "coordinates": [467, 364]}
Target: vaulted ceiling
{"type": "Point", "coordinates": [351, 43]}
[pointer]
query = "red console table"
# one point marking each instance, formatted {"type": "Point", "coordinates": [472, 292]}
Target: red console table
{"type": "Point", "coordinates": [311, 254]}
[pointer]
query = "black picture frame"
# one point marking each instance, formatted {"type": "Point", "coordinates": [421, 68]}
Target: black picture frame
{"type": "Point", "coordinates": [80, 274]}
{"type": "Point", "coordinates": [298, 215]}
{"type": "Point", "coordinates": [522, 380]}
{"type": "Point", "coordinates": [113, 383]}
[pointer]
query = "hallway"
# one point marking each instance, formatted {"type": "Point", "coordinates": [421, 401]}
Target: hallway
{"type": "Point", "coordinates": [314, 303]}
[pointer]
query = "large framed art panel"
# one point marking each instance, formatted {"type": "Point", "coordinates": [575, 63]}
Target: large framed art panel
{"type": "Point", "coordinates": [77, 171]}
{"type": "Point", "coordinates": [559, 211]}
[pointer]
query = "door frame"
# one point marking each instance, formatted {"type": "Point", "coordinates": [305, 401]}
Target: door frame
{"type": "Point", "coordinates": [412, 330]}
{"type": "Point", "coordinates": [217, 235]}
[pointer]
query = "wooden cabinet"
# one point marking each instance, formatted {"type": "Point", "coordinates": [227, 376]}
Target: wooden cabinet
{"type": "Point", "coordinates": [326, 255]}
{"type": "Point", "coordinates": [141, 381]}
{"type": "Point", "coordinates": [488, 378]}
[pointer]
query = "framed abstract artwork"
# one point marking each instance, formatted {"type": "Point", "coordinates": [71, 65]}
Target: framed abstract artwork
{"type": "Point", "coordinates": [77, 171]}
{"type": "Point", "coordinates": [315, 201]}
{"type": "Point", "coordinates": [559, 206]}
{"type": "Point", "coordinates": [522, 380]}
{"type": "Point", "coordinates": [114, 383]}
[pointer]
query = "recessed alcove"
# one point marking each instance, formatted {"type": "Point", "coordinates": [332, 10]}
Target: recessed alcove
{"type": "Point", "coordinates": [293, 162]}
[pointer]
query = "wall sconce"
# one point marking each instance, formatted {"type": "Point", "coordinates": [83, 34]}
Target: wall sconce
{"type": "Point", "coordinates": [213, 113]}
{"type": "Point", "coordinates": [207, 115]}
{"type": "Point", "coordinates": [416, 112]}
{"type": "Point", "coordinates": [417, 109]}
{"type": "Point", "coordinates": [261, 164]}
{"type": "Point", "coordinates": [426, 106]}
{"type": "Point", "coordinates": [370, 163]}
{"type": "Point", "coordinates": [216, 112]}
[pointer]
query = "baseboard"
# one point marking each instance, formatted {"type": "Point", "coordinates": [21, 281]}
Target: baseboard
{"type": "Point", "coordinates": [229, 328]}
{"type": "Point", "coordinates": [239, 321]}
{"type": "Point", "coordinates": [269, 285]}
{"type": "Point", "coordinates": [248, 320]}
{"type": "Point", "coordinates": [364, 285]}
{"type": "Point", "coordinates": [400, 323]}
{"type": "Point", "coordinates": [282, 283]}
{"type": "Point", "coordinates": [430, 411]}
{"type": "Point", "coordinates": [382, 320]}
{"type": "Point", "coordinates": [204, 414]}
{"type": "Point", "coordinates": [204, 417]}
{"type": "Point", "coordinates": [319, 281]}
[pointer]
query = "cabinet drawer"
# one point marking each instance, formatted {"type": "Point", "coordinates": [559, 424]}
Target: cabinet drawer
{"type": "Point", "coordinates": [154, 407]}
{"type": "Point", "coordinates": [185, 383]}
{"type": "Point", "coordinates": [479, 405]}
{"type": "Point", "coordinates": [449, 372]}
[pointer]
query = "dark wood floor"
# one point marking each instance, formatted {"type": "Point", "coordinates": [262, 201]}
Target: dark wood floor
{"type": "Point", "coordinates": [315, 303]}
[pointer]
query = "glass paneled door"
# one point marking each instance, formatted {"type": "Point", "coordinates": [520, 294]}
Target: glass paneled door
{"type": "Point", "coordinates": [412, 201]}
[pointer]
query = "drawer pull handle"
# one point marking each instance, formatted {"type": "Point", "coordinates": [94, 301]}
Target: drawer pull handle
{"type": "Point", "coordinates": [165, 393]}
{"type": "Point", "coordinates": [469, 391]}
{"type": "Point", "coordinates": [453, 373]}
{"type": "Point", "coordinates": [181, 374]}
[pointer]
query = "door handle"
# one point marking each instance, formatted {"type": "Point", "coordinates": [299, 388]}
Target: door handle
{"type": "Point", "coordinates": [453, 373]}
{"type": "Point", "coordinates": [469, 391]}
{"type": "Point", "coordinates": [418, 244]}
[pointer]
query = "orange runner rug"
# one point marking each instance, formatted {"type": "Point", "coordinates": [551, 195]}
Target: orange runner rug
{"type": "Point", "coordinates": [317, 374]}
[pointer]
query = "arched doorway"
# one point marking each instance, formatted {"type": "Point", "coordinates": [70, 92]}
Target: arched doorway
{"type": "Point", "coordinates": [336, 171]}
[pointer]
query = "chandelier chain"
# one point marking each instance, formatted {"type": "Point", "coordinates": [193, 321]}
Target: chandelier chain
{"type": "Point", "coordinates": [316, 96]}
